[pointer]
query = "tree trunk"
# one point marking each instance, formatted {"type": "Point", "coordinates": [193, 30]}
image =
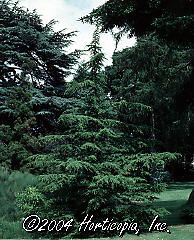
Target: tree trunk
{"type": "Point", "coordinates": [191, 198]}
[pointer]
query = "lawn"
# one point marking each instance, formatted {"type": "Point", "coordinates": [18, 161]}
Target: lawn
{"type": "Point", "coordinates": [182, 232]}
{"type": "Point", "coordinates": [173, 199]}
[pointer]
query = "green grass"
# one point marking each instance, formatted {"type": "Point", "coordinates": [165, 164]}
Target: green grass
{"type": "Point", "coordinates": [183, 232]}
{"type": "Point", "coordinates": [173, 199]}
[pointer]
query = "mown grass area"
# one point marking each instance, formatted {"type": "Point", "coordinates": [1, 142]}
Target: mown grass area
{"type": "Point", "coordinates": [182, 232]}
{"type": "Point", "coordinates": [174, 200]}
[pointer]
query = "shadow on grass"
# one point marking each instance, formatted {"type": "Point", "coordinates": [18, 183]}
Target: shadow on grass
{"type": "Point", "coordinates": [170, 205]}
{"type": "Point", "coordinates": [174, 208]}
{"type": "Point", "coordinates": [180, 186]}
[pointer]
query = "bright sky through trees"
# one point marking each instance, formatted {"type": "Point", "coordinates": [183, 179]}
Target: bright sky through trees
{"type": "Point", "coordinates": [67, 12]}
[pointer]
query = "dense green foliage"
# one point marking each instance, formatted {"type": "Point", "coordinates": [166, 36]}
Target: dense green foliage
{"type": "Point", "coordinates": [151, 73]}
{"type": "Point", "coordinates": [106, 142]}
{"type": "Point", "coordinates": [159, 70]}
{"type": "Point", "coordinates": [32, 48]}
{"type": "Point", "coordinates": [172, 20]}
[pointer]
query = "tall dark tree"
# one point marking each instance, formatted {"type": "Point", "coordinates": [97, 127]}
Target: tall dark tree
{"type": "Point", "coordinates": [33, 66]}
{"type": "Point", "coordinates": [34, 63]}
{"type": "Point", "coordinates": [31, 48]}
{"type": "Point", "coordinates": [171, 22]}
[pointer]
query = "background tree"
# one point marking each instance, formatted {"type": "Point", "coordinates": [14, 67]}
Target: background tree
{"type": "Point", "coordinates": [34, 63]}
{"type": "Point", "coordinates": [151, 73]}
{"type": "Point", "coordinates": [171, 23]}
{"type": "Point", "coordinates": [29, 47]}
{"type": "Point", "coordinates": [170, 20]}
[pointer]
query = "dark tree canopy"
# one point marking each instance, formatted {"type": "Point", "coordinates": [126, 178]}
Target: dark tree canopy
{"type": "Point", "coordinates": [31, 48]}
{"type": "Point", "coordinates": [169, 19]}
